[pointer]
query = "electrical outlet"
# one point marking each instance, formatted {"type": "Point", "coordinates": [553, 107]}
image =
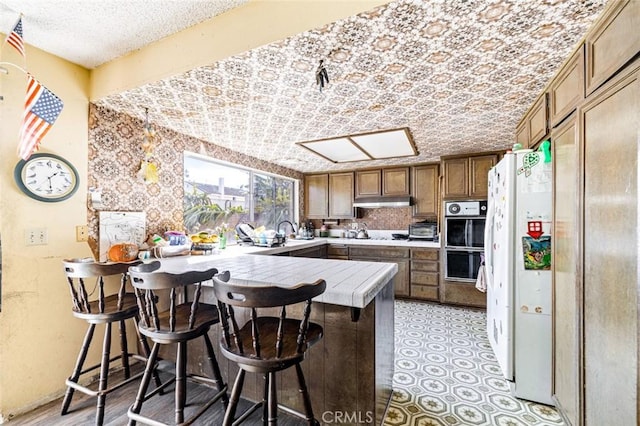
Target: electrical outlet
{"type": "Point", "coordinates": [36, 237]}
{"type": "Point", "coordinates": [82, 233]}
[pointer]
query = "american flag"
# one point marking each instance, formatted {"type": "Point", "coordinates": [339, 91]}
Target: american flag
{"type": "Point", "coordinates": [15, 38]}
{"type": "Point", "coordinates": [41, 109]}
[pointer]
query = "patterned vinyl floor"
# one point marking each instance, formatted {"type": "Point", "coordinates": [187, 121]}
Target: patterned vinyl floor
{"type": "Point", "coordinates": [446, 373]}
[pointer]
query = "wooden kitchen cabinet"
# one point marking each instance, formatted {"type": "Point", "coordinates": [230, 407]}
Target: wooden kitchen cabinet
{"type": "Point", "coordinates": [395, 182]}
{"type": "Point", "coordinates": [316, 196]}
{"type": "Point", "coordinates": [425, 276]}
{"type": "Point", "coordinates": [318, 252]}
{"type": "Point", "coordinates": [338, 251]}
{"type": "Point", "coordinates": [341, 195]}
{"type": "Point", "coordinates": [456, 177]}
{"type": "Point", "coordinates": [383, 182]}
{"type": "Point", "coordinates": [567, 88]}
{"type": "Point", "coordinates": [479, 174]}
{"type": "Point", "coordinates": [329, 196]}
{"type": "Point", "coordinates": [522, 134]}
{"type": "Point", "coordinates": [534, 127]}
{"type": "Point", "coordinates": [567, 284]}
{"type": "Point", "coordinates": [610, 129]}
{"type": "Point", "coordinates": [466, 177]}
{"type": "Point", "coordinates": [612, 42]}
{"type": "Point", "coordinates": [391, 255]}
{"type": "Point", "coordinates": [368, 183]}
{"type": "Point", "coordinates": [425, 190]}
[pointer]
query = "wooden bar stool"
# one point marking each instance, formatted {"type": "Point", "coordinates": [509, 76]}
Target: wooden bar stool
{"type": "Point", "coordinates": [105, 309]}
{"type": "Point", "coordinates": [181, 322]}
{"type": "Point", "coordinates": [267, 344]}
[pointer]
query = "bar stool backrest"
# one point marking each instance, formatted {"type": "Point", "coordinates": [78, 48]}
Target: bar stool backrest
{"type": "Point", "coordinates": [146, 282]}
{"type": "Point", "coordinates": [87, 268]}
{"type": "Point", "coordinates": [254, 297]}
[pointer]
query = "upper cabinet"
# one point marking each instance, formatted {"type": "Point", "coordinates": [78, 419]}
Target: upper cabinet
{"type": "Point", "coordinates": [386, 182]}
{"type": "Point", "coordinates": [395, 181]}
{"type": "Point", "coordinates": [368, 183]}
{"type": "Point", "coordinates": [456, 177]}
{"type": "Point", "coordinates": [533, 127]}
{"type": "Point", "coordinates": [566, 90]}
{"type": "Point", "coordinates": [466, 177]}
{"type": "Point", "coordinates": [425, 190]}
{"type": "Point", "coordinates": [341, 195]}
{"type": "Point", "coordinates": [329, 196]}
{"type": "Point", "coordinates": [479, 174]}
{"type": "Point", "coordinates": [611, 44]}
{"type": "Point", "coordinates": [316, 196]}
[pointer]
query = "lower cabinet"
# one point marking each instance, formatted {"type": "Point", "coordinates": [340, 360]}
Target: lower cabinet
{"type": "Point", "coordinates": [425, 276]}
{"type": "Point", "coordinates": [338, 251]}
{"type": "Point", "coordinates": [387, 254]}
{"type": "Point", "coordinates": [319, 252]}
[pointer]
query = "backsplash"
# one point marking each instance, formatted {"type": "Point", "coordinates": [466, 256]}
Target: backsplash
{"type": "Point", "coordinates": [379, 218]}
{"type": "Point", "coordinates": [115, 152]}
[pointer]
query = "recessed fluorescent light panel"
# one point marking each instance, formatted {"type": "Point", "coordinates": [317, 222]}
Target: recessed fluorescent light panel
{"type": "Point", "coordinates": [380, 145]}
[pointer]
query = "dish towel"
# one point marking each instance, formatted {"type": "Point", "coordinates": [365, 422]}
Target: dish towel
{"type": "Point", "coordinates": [481, 283]}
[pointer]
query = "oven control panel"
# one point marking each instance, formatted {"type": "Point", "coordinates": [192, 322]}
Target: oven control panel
{"type": "Point", "coordinates": [465, 208]}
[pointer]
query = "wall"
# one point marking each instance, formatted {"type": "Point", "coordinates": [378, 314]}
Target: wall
{"type": "Point", "coordinates": [115, 153]}
{"type": "Point", "coordinates": [39, 338]}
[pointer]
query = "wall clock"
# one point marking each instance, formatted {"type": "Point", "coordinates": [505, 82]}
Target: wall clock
{"type": "Point", "coordinates": [46, 177]}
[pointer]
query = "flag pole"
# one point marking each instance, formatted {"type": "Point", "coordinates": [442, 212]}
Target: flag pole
{"type": "Point", "coordinates": [6, 71]}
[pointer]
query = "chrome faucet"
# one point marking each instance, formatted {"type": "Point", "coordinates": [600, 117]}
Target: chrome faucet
{"type": "Point", "coordinates": [293, 228]}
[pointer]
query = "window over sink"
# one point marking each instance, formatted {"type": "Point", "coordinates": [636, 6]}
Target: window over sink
{"type": "Point", "coordinates": [218, 193]}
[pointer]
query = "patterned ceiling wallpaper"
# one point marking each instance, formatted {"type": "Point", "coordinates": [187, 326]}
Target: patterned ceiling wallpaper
{"type": "Point", "coordinates": [459, 73]}
{"type": "Point", "coordinates": [115, 153]}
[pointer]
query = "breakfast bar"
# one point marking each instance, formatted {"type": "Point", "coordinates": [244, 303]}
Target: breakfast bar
{"type": "Point", "coordinates": [350, 371]}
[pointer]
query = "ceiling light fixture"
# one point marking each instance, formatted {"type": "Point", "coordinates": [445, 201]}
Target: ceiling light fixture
{"type": "Point", "coordinates": [378, 145]}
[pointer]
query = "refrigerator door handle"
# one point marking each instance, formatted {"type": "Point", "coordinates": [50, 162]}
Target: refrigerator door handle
{"type": "Point", "coordinates": [488, 240]}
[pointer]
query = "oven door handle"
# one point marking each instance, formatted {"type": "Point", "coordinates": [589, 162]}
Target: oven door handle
{"type": "Point", "coordinates": [467, 233]}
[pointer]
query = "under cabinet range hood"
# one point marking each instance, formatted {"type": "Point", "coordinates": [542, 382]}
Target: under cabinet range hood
{"type": "Point", "coordinates": [373, 202]}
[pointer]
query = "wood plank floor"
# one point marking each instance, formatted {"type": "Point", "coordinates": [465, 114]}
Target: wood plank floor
{"type": "Point", "coordinates": [83, 408]}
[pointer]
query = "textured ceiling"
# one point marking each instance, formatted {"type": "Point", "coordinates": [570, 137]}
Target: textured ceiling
{"type": "Point", "coordinates": [458, 73]}
{"type": "Point", "coordinates": [92, 32]}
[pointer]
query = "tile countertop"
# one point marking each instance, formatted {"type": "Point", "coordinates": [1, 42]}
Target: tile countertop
{"type": "Point", "coordinates": [293, 244]}
{"type": "Point", "coordinates": [349, 283]}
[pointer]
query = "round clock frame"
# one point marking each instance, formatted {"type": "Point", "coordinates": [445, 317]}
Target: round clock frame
{"type": "Point", "coordinates": [48, 169]}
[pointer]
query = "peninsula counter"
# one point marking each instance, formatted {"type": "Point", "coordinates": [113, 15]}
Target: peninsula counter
{"type": "Point", "coordinates": [350, 371]}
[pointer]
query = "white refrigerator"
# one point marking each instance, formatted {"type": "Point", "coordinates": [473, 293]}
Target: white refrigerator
{"type": "Point", "coordinates": [518, 275]}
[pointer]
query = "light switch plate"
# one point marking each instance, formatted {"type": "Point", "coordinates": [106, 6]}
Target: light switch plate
{"type": "Point", "coordinates": [36, 237]}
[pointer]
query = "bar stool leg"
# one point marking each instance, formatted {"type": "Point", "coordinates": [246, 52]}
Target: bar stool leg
{"type": "Point", "coordinates": [305, 397]}
{"type": "Point", "coordinates": [230, 414]}
{"type": "Point", "coordinates": [181, 381]}
{"type": "Point", "coordinates": [147, 350]}
{"type": "Point", "coordinates": [217, 376]}
{"type": "Point", "coordinates": [272, 400]}
{"type": "Point", "coordinates": [78, 368]}
{"type": "Point", "coordinates": [124, 349]}
{"type": "Point", "coordinates": [104, 374]}
{"type": "Point", "coordinates": [265, 399]}
{"type": "Point", "coordinates": [144, 383]}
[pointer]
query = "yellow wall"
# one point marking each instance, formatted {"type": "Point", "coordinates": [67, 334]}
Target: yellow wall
{"type": "Point", "coordinates": [39, 339]}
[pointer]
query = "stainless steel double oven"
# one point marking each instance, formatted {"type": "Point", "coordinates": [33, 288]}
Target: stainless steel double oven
{"type": "Point", "coordinates": [464, 239]}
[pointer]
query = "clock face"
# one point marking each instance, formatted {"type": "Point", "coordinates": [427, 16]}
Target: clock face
{"type": "Point", "coordinates": [46, 177]}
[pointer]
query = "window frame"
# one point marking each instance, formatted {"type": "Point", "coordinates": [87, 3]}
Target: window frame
{"type": "Point", "coordinates": [251, 191]}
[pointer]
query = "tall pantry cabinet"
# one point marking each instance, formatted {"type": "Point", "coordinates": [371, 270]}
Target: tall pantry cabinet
{"type": "Point", "coordinates": [611, 130]}
{"type": "Point", "coordinates": [595, 138]}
